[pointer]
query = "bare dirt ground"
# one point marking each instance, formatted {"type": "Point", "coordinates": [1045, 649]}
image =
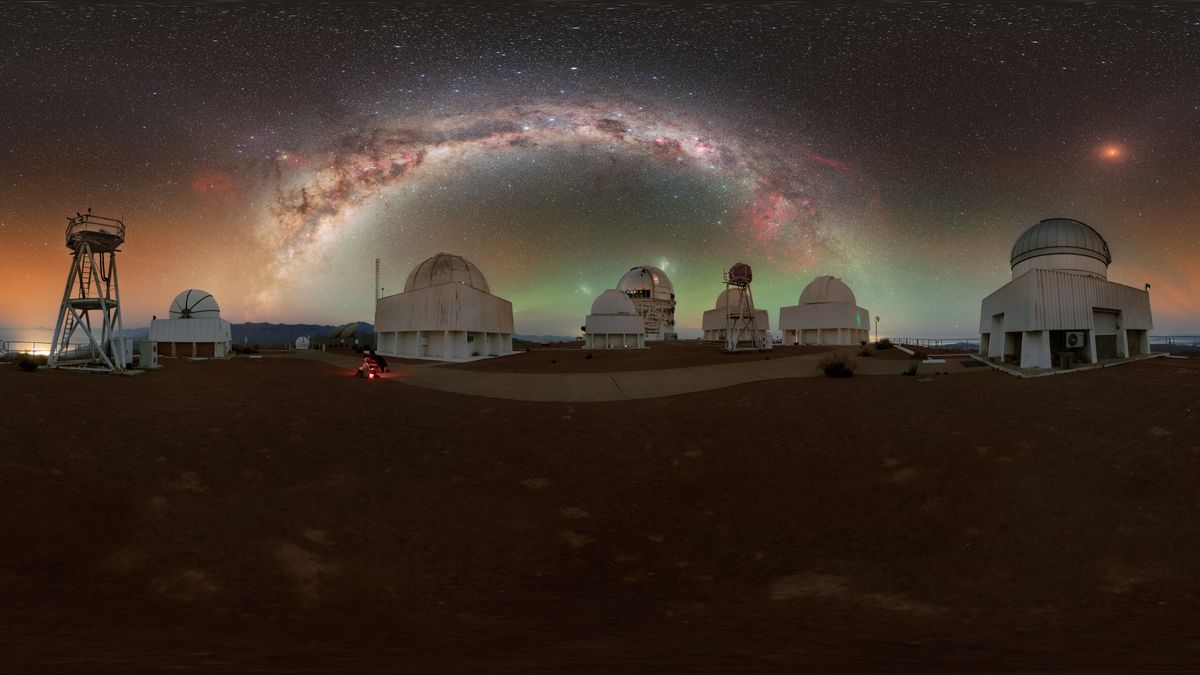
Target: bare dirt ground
{"type": "Point", "coordinates": [572, 359]}
{"type": "Point", "coordinates": [280, 515]}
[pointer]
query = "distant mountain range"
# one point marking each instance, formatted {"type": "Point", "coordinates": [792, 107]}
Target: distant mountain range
{"type": "Point", "coordinates": [279, 334]}
{"type": "Point", "coordinates": [543, 338]}
{"type": "Point", "coordinates": [271, 334]}
{"type": "Point", "coordinates": [275, 334]}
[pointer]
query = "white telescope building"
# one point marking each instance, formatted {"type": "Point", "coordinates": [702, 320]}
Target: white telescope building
{"type": "Point", "coordinates": [729, 308]}
{"type": "Point", "coordinates": [195, 327]}
{"type": "Point", "coordinates": [1061, 304]}
{"type": "Point", "coordinates": [828, 314]}
{"type": "Point", "coordinates": [614, 323]}
{"type": "Point", "coordinates": [446, 312]}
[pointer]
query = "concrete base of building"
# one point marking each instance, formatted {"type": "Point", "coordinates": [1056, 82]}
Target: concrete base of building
{"type": "Point", "coordinates": [444, 345]}
{"type": "Point", "coordinates": [614, 341]}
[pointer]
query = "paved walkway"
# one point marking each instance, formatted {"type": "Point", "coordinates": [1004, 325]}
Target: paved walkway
{"type": "Point", "coordinates": [620, 386]}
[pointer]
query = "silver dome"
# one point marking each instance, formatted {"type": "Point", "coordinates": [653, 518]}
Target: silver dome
{"type": "Point", "coordinates": [827, 289]}
{"type": "Point", "coordinates": [1060, 236]}
{"type": "Point", "coordinates": [647, 282]}
{"type": "Point", "coordinates": [613, 301]}
{"type": "Point", "coordinates": [445, 268]}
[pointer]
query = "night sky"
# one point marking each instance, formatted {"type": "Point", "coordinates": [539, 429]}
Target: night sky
{"type": "Point", "coordinates": [268, 153]}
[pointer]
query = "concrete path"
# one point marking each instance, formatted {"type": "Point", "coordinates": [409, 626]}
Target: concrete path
{"type": "Point", "coordinates": [570, 387]}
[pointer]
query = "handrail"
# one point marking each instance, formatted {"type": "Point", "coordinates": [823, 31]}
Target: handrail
{"type": "Point", "coordinates": [83, 223]}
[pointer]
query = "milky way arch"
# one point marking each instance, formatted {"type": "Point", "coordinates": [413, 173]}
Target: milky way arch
{"type": "Point", "coordinates": [792, 201]}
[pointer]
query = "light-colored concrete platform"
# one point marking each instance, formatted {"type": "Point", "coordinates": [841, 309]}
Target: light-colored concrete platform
{"type": "Point", "coordinates": [1078, 368]}
{"type": "Point", "coordinates": [620, 386]}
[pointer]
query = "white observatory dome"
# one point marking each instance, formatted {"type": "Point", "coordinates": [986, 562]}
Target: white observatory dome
{"type": "Point", "coordinates": [613, 302]}
{"type": "Point", "coordinates": [445, 268]}
{"type": "Point", "coordinates": [195, 304]}
{"type": "Point", "coordinates": [827, 289]}
{"type": "Point", "coordinates": [1061, 244]}
{"type": "Point", "coordinates": [647, 282]}
{"type": "Point", "coordinates": [731, 298]}
{"type": "Point", "coordinates": [302, 342]}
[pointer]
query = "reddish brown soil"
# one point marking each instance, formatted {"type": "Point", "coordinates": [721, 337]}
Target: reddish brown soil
{"type": "Point", "coordinates": [279, 515]}
{"type": "Point", "coordinates": [656, 357]}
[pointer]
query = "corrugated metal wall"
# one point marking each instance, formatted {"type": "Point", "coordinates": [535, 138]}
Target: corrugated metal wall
{"type": "Point", "coordinates": [824, 315]}
{"type": "Point", "coordinates": [1053, 300]}
{"type": "Point", "coordinates": [444, 307]}
{"type": "Point", "coordinates": [190, 330]}
{"type": "Point", "coordinates": [714, 319]}
{"type": "Point", "coordinates": [614, 323]}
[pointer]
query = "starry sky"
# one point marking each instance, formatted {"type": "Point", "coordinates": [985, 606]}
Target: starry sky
{"type": "Point", "coordinates": [268, 153]}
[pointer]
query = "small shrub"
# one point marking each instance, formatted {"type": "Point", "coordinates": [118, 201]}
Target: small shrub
{"type": "Point", "coordinates": [29, 363]}
{"type": "Point", "coordinates": [588, 356]}
{"type": "Point", "coordinates": [912, 367]}
{"type": "Point", "coordinates": [864, 352]}
{"type": "Point", "coordinates": [883, 344]}
{"type": "Point", "coordinates": [474, 353]}
{"type": "Point", "coordinates": [840, 364]}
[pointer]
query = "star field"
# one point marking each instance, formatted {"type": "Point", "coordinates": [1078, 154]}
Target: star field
{"type": "Point", "coordinates": [269, 152]}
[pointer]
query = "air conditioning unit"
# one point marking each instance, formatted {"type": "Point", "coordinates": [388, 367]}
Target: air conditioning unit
{"type": "Point", "coordinates": [1074, 339]}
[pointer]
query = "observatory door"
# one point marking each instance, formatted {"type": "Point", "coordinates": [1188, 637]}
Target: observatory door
{"type": "Point", "coordinates": [1106, 322]}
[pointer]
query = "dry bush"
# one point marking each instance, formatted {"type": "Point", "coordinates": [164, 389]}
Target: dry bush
{"type": "Point", "coordinates": [30, 362]}
{"type": "Point", "coordinates": [840, 364]}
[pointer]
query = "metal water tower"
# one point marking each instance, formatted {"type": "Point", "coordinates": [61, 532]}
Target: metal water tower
{"type": "Point", "coordinates": [91, 303]}
{"type": "Point", "coordinates": [741, 321]}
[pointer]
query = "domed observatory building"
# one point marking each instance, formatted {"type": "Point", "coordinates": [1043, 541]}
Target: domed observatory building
{"type": "Point", "coordinates": [614, 323]}
{"type": "Point", "coordinates": [654, 297]}
{"type": "Point", "coordinates": [195, 328]}
{"type": "Point", "coordinates": [828, 314]}
{"type": "Point", "coordinates": [728, 310]}
{"type": "Point", "coordinates": [1061, 304]}
{"type": "Point", "coordinates": [446, 312]}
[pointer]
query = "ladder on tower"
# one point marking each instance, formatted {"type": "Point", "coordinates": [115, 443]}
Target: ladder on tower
{"type": "Point", "coordinates": [85, 275]}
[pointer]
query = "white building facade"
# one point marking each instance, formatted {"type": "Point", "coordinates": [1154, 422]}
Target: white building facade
{"type": "Point", "coordinates": [195, 328]}
{"type": "Point", "coordinates": [654, 297]}
{"type": "Point", "coordinates": [1061, 304]}
{"type": "Point", "coordinates": [446, 313]}
{"type": "Point", "coordinates": [614, 323]}
{"type": "Point", "coordinates": [827, 314]}
{"type": "Point", "coordinates": [731, 305]}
